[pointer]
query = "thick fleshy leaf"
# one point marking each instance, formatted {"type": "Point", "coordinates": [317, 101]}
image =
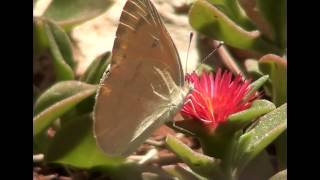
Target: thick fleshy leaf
{"type": "Point", "coordinates": [250, 7]}
{"type": "Point", "coordinates": [208, 20]}
{"type": "Point", "coordinates": [204, 165]}
{"type": "Point", "coordinates": [72, 12]}
{"type": "Point", "coordinates": [274, 11]}
{"type": "Point", "coordinates": [282, 175]}
{"type": "Point", "coordinates": [276, 67]}
{"type": "Point", "coordinates": [257, 84]}
{"type": "Point", "coordinates": [57, 100]}
{"type": "Point", "coordinates": [60, 49]}
{"type": "Point", "coordinates": [75, 145]}
{"type": "Point", "coordinates": [267, 129]}
{"type": "Point", "coordinates": [239, 120]}
{"type": "Point", "coordinates": [63, 43]}
{"type": "Point", "coordinates": [96, 69]}
{"type": "Point", "coordinates": [281, 150]}
{"type": "Point", "coordinates": [181, 172]}
{"type": "Point", "coordinates": [92, 75]}
{"type": "Point", "coordinates": [40, 40]}
{"type": "Point", "coordinates": [252, 68]}
{"type": "Point", "coordinates": [232, 9]}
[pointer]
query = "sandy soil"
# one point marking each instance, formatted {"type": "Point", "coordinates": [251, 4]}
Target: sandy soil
{"type": "Point", "coordinates": [97, 35]}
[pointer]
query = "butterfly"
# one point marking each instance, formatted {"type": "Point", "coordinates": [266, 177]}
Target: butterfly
{"type": "Point", "coordinates": [144, 86]}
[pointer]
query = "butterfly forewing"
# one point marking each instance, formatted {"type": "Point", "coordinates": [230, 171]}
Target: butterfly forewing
{"type": "Point", "coordinates": [141, 34]}
{"type": "Point", "coordinates": [145, 76]}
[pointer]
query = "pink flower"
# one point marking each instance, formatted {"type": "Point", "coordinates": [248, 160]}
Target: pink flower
{"type": "Point", "coordinates": [215, 97]}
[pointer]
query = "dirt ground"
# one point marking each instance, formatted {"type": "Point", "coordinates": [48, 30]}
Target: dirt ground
{"type": "Point", "coordinates": [97, 35]}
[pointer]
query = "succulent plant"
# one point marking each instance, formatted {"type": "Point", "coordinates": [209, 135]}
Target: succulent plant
{"type": "Point", "coordinates": [235, 149]}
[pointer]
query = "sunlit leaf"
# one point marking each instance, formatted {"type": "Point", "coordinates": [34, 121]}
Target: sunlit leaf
{"type": "Point", "coordinates": [267, 129]}
{"type": "Point", "coordinates": [232, 9]}
{"type": "Point", "coordinates": [276, 68]}
{"type": "Point", "coordinates": [274, 11]}
{"type": "Point", "coordinates": [203, 165]}
{"type": "Point", "coordinates": [207, 19]}
{"type": "Point", "coordinates": [96, 69]}
{"type": "Point", "coordinates": [60, 49]}
{"type": "Point", "coordinates": [73, 12]}
{"type": "Point", "coordinates": [57, 100]}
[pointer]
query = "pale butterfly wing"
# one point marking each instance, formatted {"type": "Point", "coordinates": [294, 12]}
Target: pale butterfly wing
{"type": "Point", "coordinates": [146, 85]}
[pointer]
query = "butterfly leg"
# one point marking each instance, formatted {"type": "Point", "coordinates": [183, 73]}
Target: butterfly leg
{"type": "Point", "coordinates": [167, 79]}
{"type": "Point", "coordinates": [172, 87]}
{"type": "Point", "coordinates": [159, 94]}
{"type": "Point", "coordinates": [178, 127]}
{"type": "Point", "coordinates": [169, 83]}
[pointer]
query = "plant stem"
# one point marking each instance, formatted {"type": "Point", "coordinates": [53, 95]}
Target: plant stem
{"type": "Point", "coordinates": [221, 146]}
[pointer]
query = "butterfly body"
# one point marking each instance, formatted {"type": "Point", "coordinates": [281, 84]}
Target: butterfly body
{"type": "Point", "coordinates": [146, 85]}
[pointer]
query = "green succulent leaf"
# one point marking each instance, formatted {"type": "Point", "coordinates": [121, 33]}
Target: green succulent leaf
{"type": "Point", "coordinates": [57, 100]}
{"type": "Point", "coordinates": [250, 7]}
{"type": "Point", "coordinates": [274, 11]}
{"type": "Point", "coordinates": [96, 69]}
{"type": "Point", "coordinates": [267, 129]}
{"type": "Point", "coordinates": [281, 149]}
{"type": "Point", "coordinates": [40, 40]}
{"type": "Point", "coordinates": [203, 165]}
{"type": "Point", "coordinates": [239, 120]}
{"type": "Point", "coordinates": [92, 76]}
{"type": "Point", "coordinates": [63, 42]}
{"type": "Point", "coordinates": [182, 172]}
{"type": "Point", "coordinates": [73, 12]}
{"type": "Point", "coordinates": [257, 84]}
{"type": "Point", "coordinates": [75, 145]}
{"type": "Point", "coordinates": [207, 19]}
{"type": "Point", "coordinates": [59, 46]}
{"type": "Point", "coordinates": [233, 10]}
{"type": "Point", "coordinates": [282, 175]}
{"type": "Point", "coordinates": [252, 68]}
{"type": "Point", "coordinates": [276, 68]}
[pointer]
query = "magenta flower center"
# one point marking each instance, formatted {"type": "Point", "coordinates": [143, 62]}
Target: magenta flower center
{"type": "Point", "coordinates": [215, 97]}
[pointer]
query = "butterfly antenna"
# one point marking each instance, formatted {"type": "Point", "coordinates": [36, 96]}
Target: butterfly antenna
{"type": "Point", "coordinates": [210, 54]}
{"type": "Point", "coordinates": [190, 39]}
